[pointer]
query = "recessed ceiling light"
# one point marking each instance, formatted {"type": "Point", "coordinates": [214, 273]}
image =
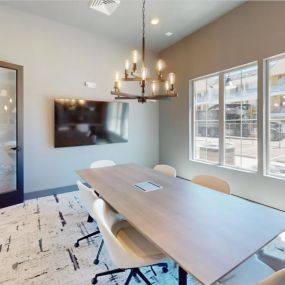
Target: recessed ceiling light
{"type": "Point", "coordinates": [168, 34]}
{"type": "Point", "coordinates": [154, 21]}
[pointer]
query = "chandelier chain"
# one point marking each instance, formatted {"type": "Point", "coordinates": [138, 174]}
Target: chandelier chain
{"type": "Point", "coordinates": [143, 16]}
{"type": "Point", "coordinates": [143, 32]}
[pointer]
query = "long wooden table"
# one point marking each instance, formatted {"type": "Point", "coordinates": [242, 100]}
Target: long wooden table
{"type": "Point", "coordinates": [206, 232]}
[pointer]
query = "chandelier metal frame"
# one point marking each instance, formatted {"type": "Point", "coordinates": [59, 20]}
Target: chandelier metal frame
{"type": "Point", "coordinates": [143, 79]}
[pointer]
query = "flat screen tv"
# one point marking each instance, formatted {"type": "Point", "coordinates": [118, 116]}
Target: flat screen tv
{"type": "Point", "coordinates": [84, 122]}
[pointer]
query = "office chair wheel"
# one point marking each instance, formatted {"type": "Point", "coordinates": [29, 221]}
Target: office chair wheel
{"type": "Point", "coordinates": [164, 269]}
{"type": "Point", "coordinates": [94, 280]}
{"type": "Point", "coordinates": [76, 244]}
{"type": "Point", "coordinates": [96, 261]}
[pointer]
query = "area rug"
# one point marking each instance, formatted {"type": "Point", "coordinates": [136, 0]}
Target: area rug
{"type": "Point", "coordinates": [37, 246]}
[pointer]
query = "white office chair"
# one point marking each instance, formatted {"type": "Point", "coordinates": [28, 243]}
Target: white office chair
{"type": "Point", "coordinates": [277, 278]}
{"type": "Point", "coordinates": [102, 163]}
{"type": "Point", "coordinates": [87, 198]}
{"type": "Point", "coordinates": [248, 273]}
{"type": "Point", "coordinates": [128, 249]}
{"type": "Point", "coordinates": [99, 164]}
{"type": "Point", "coordinates": [212, 182]}
{"type": "Point", "coordinates": [274, 254]}
{"type": "Point", "coordinates": [165, 169]}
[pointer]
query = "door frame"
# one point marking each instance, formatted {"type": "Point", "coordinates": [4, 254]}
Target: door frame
{"type": "Point", "coordinates": [17, 196]}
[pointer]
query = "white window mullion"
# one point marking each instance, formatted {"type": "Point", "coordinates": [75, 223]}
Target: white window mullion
{"type": "Point", "coordinates": [221, 120]}
{"type": "Point", "coordinates": [262, 116]}
{"type": "Point", "coordinates": [192, 120]}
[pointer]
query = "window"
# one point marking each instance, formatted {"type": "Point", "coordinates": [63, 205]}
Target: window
{"type": "Point", "coordinates": [276, 116]}
{"type": "Point", "coordinates": [206, 119]}
{"type": "Point", "coordinates": [240, 97]}
{"type": "Point", "coordinates": [235, 144]}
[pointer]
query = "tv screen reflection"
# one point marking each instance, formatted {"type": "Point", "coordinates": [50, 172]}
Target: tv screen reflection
{"type": "Point", "coordinates": [85, 122]}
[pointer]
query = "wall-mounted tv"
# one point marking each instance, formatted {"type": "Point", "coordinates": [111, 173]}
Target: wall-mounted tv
{"type": "Point", "coordinates": [84, 122]}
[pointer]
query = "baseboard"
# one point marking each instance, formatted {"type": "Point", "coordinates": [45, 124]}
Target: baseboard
{"type": "Point", "coordinates": [49, 192]}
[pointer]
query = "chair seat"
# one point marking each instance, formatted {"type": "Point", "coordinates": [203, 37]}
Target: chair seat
{"type": "Point", "coordinates": [137, 245]}
{"type": "Point", "coordinates": [248, 273]}
{"type": "Point", "coordinates": [272, 258]}
{"type": "Point", "coordinates": [278, 278]}
{"type": "Point", "coordinates": [274, 253]}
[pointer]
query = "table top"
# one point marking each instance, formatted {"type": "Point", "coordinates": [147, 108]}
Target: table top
{"type": "Point", "coordinates": [206, 232]}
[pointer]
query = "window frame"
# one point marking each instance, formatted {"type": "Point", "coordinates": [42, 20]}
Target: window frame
{"type": "Point", "coordinates": [221, 76]}
{"type": "Point", "coordinates": [192, 119]}
{"type": "Point", "coordinates": [266, 107]}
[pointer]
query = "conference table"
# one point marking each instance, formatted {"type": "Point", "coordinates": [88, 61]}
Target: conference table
{"type": "Point", "coordinates": [206, 232]}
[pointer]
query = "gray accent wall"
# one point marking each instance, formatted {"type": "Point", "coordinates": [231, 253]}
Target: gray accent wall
{"type": "Point", "coordinates": [251, 32]}
{"type": "Point", "coordinates": [57, 59]}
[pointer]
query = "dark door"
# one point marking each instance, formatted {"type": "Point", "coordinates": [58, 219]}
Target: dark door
{"type": "Point", "coordinates": [11, 134]}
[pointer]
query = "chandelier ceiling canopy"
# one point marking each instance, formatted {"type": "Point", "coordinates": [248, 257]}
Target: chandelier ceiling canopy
{"type": "Point", "coordinates": [161, 87]}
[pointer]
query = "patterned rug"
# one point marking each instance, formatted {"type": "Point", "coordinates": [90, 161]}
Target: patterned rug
{"type": "Point", "coordinates": [36, 246]}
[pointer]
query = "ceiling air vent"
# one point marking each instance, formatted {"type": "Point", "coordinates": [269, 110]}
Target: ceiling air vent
{"type": "Point", "coordinates": [107, 7]}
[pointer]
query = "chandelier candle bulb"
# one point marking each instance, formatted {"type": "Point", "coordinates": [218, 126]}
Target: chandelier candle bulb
{"type": "Point", "coordinates": [143, 80]}
{"type": "Point", "coordinates": [116, 85]}
{"type": "Point", "coordinates": [172, 80]}
{"type": "Point", "coordinates": [117, 77]}
{"type": "Point", "coordinates": [135, 59]}
{"type": "Point", "coordinates": [153, 87]}
{"type": "Point", "coordinates": [127, 65]}
{"type": "Point", "coordinates": [135, 56]}
{"type": "Point", "coordinates": [143, 73]}
{"type": "Point", "coordinates": [166, 86]}
{"type": "Point", "coordinates": [159, 67]}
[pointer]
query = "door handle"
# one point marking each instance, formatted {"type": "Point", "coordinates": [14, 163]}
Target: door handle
{"type": "Point", "coordinates": [17, 148]}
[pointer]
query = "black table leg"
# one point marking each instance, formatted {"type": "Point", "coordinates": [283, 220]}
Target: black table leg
{"type": "Point", "coordinates": [182, 276]}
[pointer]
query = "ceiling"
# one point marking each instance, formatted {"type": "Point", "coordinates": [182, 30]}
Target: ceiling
{"type": "Point", "coordinates": [181, 17]}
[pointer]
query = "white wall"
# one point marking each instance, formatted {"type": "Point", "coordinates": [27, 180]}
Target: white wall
{"type": "Point", "coordinates": [57, 59]}
{"type": "Point", "coordinates": [251, 32]}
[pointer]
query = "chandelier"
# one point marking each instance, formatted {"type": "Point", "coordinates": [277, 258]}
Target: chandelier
{"type": "Point", "coordinates": [161, 87]}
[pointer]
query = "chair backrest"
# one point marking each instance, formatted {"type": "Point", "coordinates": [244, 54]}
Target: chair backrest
{"type": "Point", "coordinates": [87, 196]}
{"type": "Point", "coordinates": [165, 169]}
{"type": "Point", "coordinates": [102, 163]}
{"type": "Point", "coordinates": [277, 278]}
{"type": "Point", "coordinates": [212, 182]}
{"type": "Point", "coordinates": [107, 219]}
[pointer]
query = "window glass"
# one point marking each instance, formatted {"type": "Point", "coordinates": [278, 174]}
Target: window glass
{"type": "Point", "coordinates": [206, 119]}
{"type": "Point", "coordinates": [240, 98]}
{"type": "Point", "coordinates": [276, 120]}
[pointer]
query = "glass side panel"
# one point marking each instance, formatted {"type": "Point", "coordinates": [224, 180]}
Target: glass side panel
{"type": "Point", "coordinates": [8, 117]}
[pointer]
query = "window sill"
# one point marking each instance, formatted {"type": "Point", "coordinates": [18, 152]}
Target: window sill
{"type": "Point", "coordinates": [224, 166]}
{"type": "Point", "coordinates": [270, 175]}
